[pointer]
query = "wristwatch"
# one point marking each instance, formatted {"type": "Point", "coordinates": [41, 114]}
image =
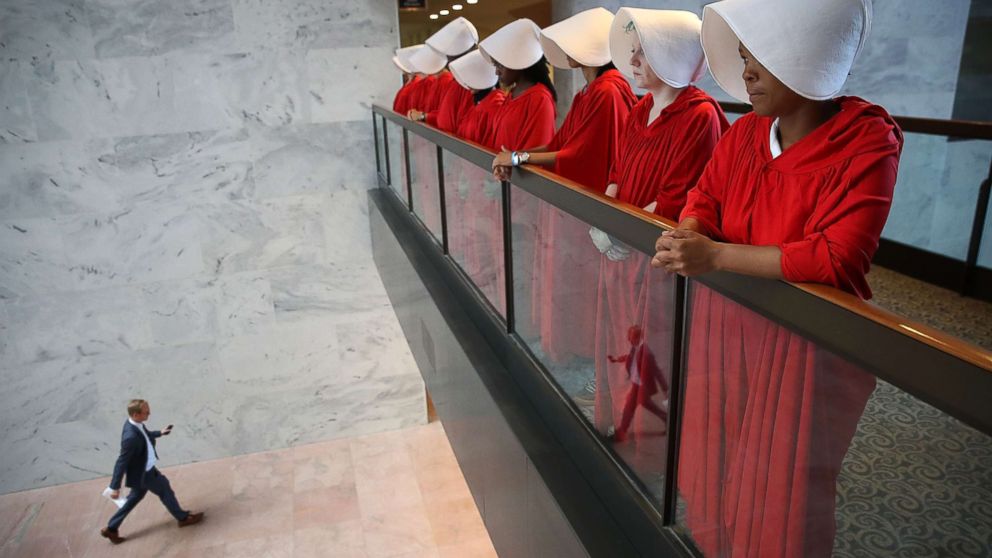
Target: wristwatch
{"type": "Point", "coordinates": [518, 158]}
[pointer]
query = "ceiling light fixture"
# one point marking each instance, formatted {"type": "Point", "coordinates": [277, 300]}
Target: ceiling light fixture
{"type": "Point", "coordinates": [444, 12]}
{"type": "Point", "coordinates": [456, 7]}
{"type": "Point", "coordinates": [433, 16]}
{"type": "Point", "coordinates": [472, 1]}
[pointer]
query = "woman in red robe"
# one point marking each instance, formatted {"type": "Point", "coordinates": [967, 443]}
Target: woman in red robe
{"type": "Point", "coordinates": [669, 137]}
{"type": "Point", "coordinates": [798, 190]}
{"type": "Point", "coordinates": [474, 222]}
{"type": "Point", "coordinates": [410, 79]}
{"type": "Point", "coordinates": [526, 120]}
{"type": "Point", "coordinates": [567, 266]}
{"type": "Point", "coordinates": [452, 41]}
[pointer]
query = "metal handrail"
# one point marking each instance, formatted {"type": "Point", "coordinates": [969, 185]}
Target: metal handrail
{"type": "Point", "coordinates": [935, 367]}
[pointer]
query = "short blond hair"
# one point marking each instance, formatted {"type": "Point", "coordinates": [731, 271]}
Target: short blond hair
{"type": "Point", "coordinates": [135, 406]}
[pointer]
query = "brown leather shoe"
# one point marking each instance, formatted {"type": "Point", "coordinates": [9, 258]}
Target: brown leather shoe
{"type": "Point", "coordinates": [112, 535]}
{"type": "Point", "coordinates": [191, 519]}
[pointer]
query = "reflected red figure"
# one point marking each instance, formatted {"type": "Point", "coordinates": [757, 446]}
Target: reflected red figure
{"type": "Point", "coordinates": [658, 161]}
{"type": "Point", "coordinates": [645, 378]}
{"type": "Point", "coordinates": [769, 415]}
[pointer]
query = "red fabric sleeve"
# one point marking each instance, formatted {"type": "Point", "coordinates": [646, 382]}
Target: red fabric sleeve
{"type": "Point", "coordinates": [592, 146]}
{"type": "Point", "coordinates": [701, 134]}
{"type": "Point", "coordinates": [538, 126]}
{"type": "Point", "coordinates": [845, 227]}
{"type": "Point", "coordinates": [703, 202]}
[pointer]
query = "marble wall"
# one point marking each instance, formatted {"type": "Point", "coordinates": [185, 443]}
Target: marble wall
{"type": "Point", "coordinates": [183, 218]}
{"type": "Point", "coordinates": [910, 66]}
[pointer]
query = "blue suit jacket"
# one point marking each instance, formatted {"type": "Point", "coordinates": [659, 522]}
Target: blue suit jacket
{"type": "Point", "coordinates": [133, 457]}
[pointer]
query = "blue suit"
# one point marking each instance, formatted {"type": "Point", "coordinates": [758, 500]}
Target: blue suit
{"type": "Point", "coordinates": [131, 465]}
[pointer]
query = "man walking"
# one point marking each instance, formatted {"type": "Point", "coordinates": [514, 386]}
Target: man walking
{"type": "Point", "coordinates": [137, 462]}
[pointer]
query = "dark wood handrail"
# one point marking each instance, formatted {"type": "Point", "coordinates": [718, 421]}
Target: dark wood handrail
{"type": "Point", "coordinates": [967, 129]}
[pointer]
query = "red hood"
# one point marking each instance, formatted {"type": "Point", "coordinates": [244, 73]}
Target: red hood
{"type": "Point", "coordinates": [858, 129]}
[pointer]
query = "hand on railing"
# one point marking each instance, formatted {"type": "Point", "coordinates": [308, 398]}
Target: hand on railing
{"type": "Point", "coordinates": [503, 164]}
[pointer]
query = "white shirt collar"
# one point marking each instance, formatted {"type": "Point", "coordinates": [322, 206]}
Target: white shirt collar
{"type": "Point", "coordinates": [773, 144]}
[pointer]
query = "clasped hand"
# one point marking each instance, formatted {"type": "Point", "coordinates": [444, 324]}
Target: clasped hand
{"type": "Point", "coordinates": [685, 252]}
{"type": "Point", "coordinates": [502, 165]}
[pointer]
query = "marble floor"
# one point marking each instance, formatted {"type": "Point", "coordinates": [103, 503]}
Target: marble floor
{"type": "Point", "coordinates": [397, 494]}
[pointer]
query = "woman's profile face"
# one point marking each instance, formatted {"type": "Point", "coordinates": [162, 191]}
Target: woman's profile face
{"type": "Point", "coordinates": [768, 95]}
{"type": "Point", "coordinates": [644, 76]}
{"type": "Point", "coordinates": [507, 77]}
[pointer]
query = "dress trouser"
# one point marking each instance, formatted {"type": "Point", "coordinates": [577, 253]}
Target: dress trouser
{"type": "Point", "coordinates": [156, 483]}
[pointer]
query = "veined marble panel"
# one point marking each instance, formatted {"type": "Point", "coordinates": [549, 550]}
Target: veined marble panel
{"type": "Point", "coordinates": [53, 29]}
{"type": "Point", "coordinates": [32, 258]}
{"type": "Point", "coordinates": [345, 82]}
{"type": "Point", "coordinates": [243, 303]}
{"type": "Point", "coordinates": [317, 158]}
{"type": "Point", "coordinates": [376, 343]}
{"type": "Point", "coordinates": [151, 27]}
{"type": "Point", "coordinates": [66, 325]}
{"type": "Point", "coordinates": [280, 356]}
{"type": "Point", "coordinates": [192, 167]}
{"type": "Point", "coordinates": [920, 173]}
{"type": "Point", "coordinates": [252, 235]}
{"type": "Point", "coordinates": [83, 99]}
{"type": "Point", "coordinates": [307, 24]}
{"type": "Point", "coordinates": [234, 90]}
{"type": "Point", "coordinates": [966, 166]}
{"type": "Point", "coordinates": [145, 244]}
{"type": "Point", "coordinates": [179, 312]}
{"type": "Point", "coordinates": [55, 178]}
{"type": "Point", "coordinates": [335, 292]}
{"type": "Point", "coordinates": [273, 419]}
{"type": "Point", "coordinates": [346, 227]}
{"type": "Point", "coordinates": [16, 125]}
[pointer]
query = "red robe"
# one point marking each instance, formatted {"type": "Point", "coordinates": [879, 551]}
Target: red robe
{"type": "Point", "coordinates": [455, 102]}
{"type": "Point", "coordinates": [421, 97]}
{"type": "Point", "coordinates": [568, 267]}
{"type": "Point", "coordinates": [526, 121]}
{"type": "Point", "coordinates": [478, 122]}
{"type": "Point", "coordinates": [769, 415]}
{"type": "Point", "coordinates": [431, 99]}
{"type": "Point", "coordinates": [423, 158]}
{"type": "Point", "coordinates": [480, 217]}
{"type": "Point", "coordinates": [402, 100]}
{"type": "Point", "coordinates": [659, 162]}
{"type": "Point", "coordinates": [523, 122]}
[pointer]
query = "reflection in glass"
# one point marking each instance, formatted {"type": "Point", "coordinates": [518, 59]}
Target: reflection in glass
{"type": "Point", "coordinates": [475, 226]}
{"type": "Point", "coordinates": [773, 425]}
{"type": "Point", "coordinates": [619, 375]}
{"type": "Point", "coordinates": [397, 162]}
{"type": "Point", "coordinates": [424, 178]}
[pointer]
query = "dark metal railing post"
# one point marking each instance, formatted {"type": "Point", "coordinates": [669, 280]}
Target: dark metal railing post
{"type": "Point", "coordinates": [375, 136]}
{"type": "Point", "coordinates": [508, 257]}
{"type": "Point", "coordinates": [680, 335]}
{"type": "Point", "coordinates": [441, 198]}
{"type": "Point", "coordinates": [406, 161]}
{"type": "Point", "coordinates": [385, 149]}
{"type": "Point", "coordinates": [977, 228]}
